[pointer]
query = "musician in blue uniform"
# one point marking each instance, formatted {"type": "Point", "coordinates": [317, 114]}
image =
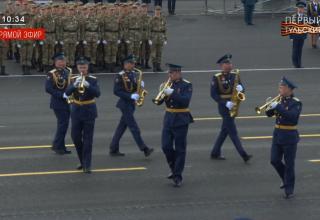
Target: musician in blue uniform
{"type": "Point", "coordinates": [82, 93]}
{"type": "Point", "coordinates": [58, 79]}
{"type": "Point", "coordinates": [176, 122]}
{"type": "Point", "coordinates": [285, 135]}
{"type": "Point", "coordinates": [298, 39]}
{"type": "Point", "coordinates": [125, 87]}
{"type": "Point", "coordinates": [222, 86]}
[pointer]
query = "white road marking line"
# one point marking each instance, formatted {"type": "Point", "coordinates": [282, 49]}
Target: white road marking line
{"type": "Point", "coordinates": [185, 71]}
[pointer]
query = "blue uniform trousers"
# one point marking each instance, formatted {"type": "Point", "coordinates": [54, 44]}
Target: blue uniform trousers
{"type": "Point", "coordinates": [82, 135]}
{"type": "Point", "coordinates": [127, 121]}
{"type": "Point", "coordinates": [174, 143]}
{"type": "Point", "coordinates": [63, 117]}
{"type": "Point", "coordinates": [228, 128]}
{"type": "Point", "coordinates": [286, 169]}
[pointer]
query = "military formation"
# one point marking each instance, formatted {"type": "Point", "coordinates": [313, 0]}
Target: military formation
{"type": "Point", "coordinates": [104, 33]}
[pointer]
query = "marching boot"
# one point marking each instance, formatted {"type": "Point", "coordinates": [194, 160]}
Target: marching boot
{"type": "Point", "coordinates": [112, 68]}
{"type": "Point", "coordinates": [107, 67]}
{"type": "Point", "coordinates": [159, 67]}
{"type": "Point", "coordinates": [28, 68]}
{"type": "Point", "coordinates": [154, 65]}
{"type": "Point", "coordinates": [23, 70]}
{"type": "Point", "coordinates": [146, 65]}
{"type": "Point", "coordinates": [3, 71]}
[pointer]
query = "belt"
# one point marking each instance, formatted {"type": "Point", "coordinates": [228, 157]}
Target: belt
{"type": "Point", "coordinates": [87, 102]}
{"type": "Point", "coordinates": [177, 110]}
{"type": "Point", "coordinates": [286, 127]}
{"type": "Point", "coordinates": [225, 96]}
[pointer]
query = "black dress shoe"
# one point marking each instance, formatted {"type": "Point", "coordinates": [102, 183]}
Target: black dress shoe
{"type": "Point", "coordinates": [87, 170]}
{"type": "Point", "coordinates": [57, 151]}
{"type": "Point", "coordinates": [214, 157]}
{"type": "Point", "coordinates": [247, 158]}
{"type": "Point", "coordinates": [116, 154]}
{"type": "Point", "coordinates": [79, 167]}
{"type": "Point", "coordinates": [177, 182]}
{"type": "Point", "coordinates": [65, 151]}
{"type": "Point", "coordinates": [288, 196]}
{"type": "Point", "coordinates": [147, 151]}
{"type": "Point", "coordinates": [170, 176]}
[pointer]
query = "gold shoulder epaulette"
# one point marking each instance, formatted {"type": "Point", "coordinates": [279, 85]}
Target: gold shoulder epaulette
{"type": "Point", "coordinates": [218, 74]}
{"type": "Point", "coordinates": [296, 99]}
{"type": "Point", "coordinates": [186, 81]}
{"type": "Point", "coordinates": [53, 70]}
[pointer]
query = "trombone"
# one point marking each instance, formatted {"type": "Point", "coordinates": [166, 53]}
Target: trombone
{"type": "Point", "coordinates": [265, 107]}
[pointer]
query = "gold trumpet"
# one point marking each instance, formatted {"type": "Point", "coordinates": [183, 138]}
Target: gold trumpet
{"type": "Point", "coordinates": [161, 95]}
{"type": "Point", "coordinates": [81, 88]}
{"type": "Point", "coordinates": [265, 107]}
{"type": "Point", "coordinates": [140, 90]}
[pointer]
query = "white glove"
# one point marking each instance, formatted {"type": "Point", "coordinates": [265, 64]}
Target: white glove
{"type": "Point", "coordinates": [168, 91]}
{"type": "Point", "coordinates": [229, 105]}
{"type": "Point", "coordinates": [135, 96]}
{"type": "Point", "coordinates": [122, 72]}
{"type": "Point", "coordinates": [41, 42]}
{"type": "Point", "coordinates": [77, 42]}
{"type": "Point", "coordinates": [56, 42]}
{"type": "Point", "coordinates": [127, 41]}
{"type": "Point", "coordinates": [61, 42]}
{"type": "Point", "coordinates": [119, 41]}
{"type": "Point", "coordinates": [86, 84]}
{"type": "Point", "coordinates": [165, 43]}
{"type": "Point", "coordinates": [98, 42]}
{"type": "Point", "coordinates": [33, 45]}
{"type": "Point", "coordinates": [142, 84]}
{"type": "Point", "coordinates": [65, 96]}
{"type": "Point", "coordinates": [140, 42]}
{"type": "Point", "coordinates": [239, 88]}
{"type": "Point", "coordinates": [84, 42]}
{"type": "Point", "coordinates": [19, 45]}
{"type": "Point", "coordinates": [104, 42]}
{"type": "Point", "coordinates": [150, 42]}
{"type": "Point", "coordinates": [273, 105]}
{"type": "Point", "coordinates": [77, 82]}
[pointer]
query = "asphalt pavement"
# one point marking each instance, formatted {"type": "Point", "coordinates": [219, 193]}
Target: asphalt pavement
{"type": "Point", "coordinates": [37, 184]}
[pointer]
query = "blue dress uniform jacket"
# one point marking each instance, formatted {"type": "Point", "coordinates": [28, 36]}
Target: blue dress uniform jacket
{"type": "Point", "coordinates": [221, 91]}
{"type": "Point", "coordinates": [83, 115]}
{"type": "Point", "coordinates": [56, 84]}
{"type": "Point", "coordinates": [285, 139]}
{"type": "Point", "coordinates": [175, 126]}
{"type": "Point", "coordinates": [125, 84]}
{"type": "Point", "coordinates": [87, 111]}
{"type": "Point", "coordinates": [179, 99]}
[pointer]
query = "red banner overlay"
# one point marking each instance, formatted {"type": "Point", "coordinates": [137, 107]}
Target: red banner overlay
{"type": "Point", "coordinates": [288, 28]}
{"type": "Point", "coordinates": [22, 34]}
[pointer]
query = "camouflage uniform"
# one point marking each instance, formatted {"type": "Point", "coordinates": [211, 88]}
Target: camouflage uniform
{"type": "Point", "coordinates": [110, 34]}
{"type": "Point", "coordinates": [158, 38]}
{"type": "Point", "coordinates": [2, 49]}
{"type": "Point", "coordinates": [92, 38]}
{"type": "Point", "coordinates": [26, 47]}
{"type": "Point", "coordinates": [49, 24]}
{"type": "Point", "coordinates": [134, 34]}
{"type": "Point", "coordinates": [145, 47]}
{"type": "Point", "coordinates": [71, 37]}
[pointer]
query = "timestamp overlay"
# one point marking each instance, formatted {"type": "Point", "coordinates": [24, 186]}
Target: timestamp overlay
{"type": "Point", "coordinates": [17, 28]}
